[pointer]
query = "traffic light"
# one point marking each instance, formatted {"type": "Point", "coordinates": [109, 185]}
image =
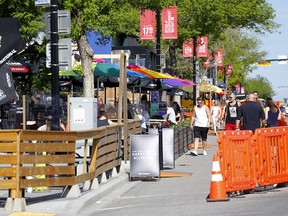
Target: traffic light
{"type": "Point", "coordinates": [264, 63]}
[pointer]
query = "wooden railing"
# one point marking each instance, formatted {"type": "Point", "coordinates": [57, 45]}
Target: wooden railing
{"type": "Point", "coordinates": [48, 158]}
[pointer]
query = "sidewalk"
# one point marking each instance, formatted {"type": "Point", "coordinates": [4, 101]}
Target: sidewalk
{"type": "Point", "coordinates": [51, 203]}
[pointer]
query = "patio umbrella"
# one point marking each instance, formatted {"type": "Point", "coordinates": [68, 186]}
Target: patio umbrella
{"type": "Point", "coordinates": [206, 87]}
{"type": "Point", "coordinates": [105, 69]}
{"type": "Point", "coordinates": [11, 41]}
{"type": "Point", "coordinates": [149, 73]}
{"type": "Point", "coordinates": [109, 81]}
{"type": "Point", "coordinates": [7, 90]}
{"type": "Point", "coordinates": [178, 82]}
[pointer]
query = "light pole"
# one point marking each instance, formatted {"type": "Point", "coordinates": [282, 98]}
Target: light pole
{"type": "Point", "coordinates": [55, 65]}
{"type": "Point", "coordinates": [194, 73]}
{"type": "Point", "coordinates": [158, 40]}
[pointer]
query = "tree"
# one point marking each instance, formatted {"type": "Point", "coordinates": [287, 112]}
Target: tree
{"type": "Point", "coordinates": [107, 17]}
{"type": "Point", "coordinates": [213, 17]}
{"type": "Point", "coordinates": [242, 50]}
{"type": "Point", "coordinates": [260, 84]}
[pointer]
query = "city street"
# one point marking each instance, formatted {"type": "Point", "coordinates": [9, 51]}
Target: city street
{"type": "Point", "coordinates": [186, 195]}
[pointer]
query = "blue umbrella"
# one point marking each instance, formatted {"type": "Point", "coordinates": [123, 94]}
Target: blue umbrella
{"type": "Point", "coordinates": [105, 69]}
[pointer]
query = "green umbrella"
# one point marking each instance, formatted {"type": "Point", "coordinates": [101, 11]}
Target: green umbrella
{"type": "Point", "coordinates": [105, 69]}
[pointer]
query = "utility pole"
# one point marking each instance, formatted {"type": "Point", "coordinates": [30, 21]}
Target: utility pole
{"type": "Point", "coordinates": [194, 73]}
{"type": "Point", "coordinates": [55, 65]}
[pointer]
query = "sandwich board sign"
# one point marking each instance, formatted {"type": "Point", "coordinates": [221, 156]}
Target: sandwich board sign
{"type": "Point", "coordinates": [144, 156]}
{"type": "Point", "coordinates": [42, 2]}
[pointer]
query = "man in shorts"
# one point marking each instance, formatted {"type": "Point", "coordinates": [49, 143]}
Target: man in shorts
{"type": "Point", "coordinates": [200, 124]}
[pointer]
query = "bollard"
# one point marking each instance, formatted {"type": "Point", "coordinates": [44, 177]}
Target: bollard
{"type": "Point", "coordinates": [160, 147]}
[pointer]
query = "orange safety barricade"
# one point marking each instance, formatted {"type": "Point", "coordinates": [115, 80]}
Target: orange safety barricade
{"type": "Point", "coordinates": [272, 155]}
{"type": "Point", "coordinates": [237, 162]}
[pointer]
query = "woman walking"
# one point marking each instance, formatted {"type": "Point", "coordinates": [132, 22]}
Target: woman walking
{"type": "Point", "coordinates": [215, 112]}
{"type": "Point", "coordinates": [272, 113]}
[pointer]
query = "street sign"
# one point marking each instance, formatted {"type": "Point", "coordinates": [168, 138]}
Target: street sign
{"type": "Point", "coordinates": [42, 2]}
{"type": "Point", "coordinates": [64, 52]}
{"type": "Point", "coordinates": [282, 59]}
{"type": "Point", "coordinates": [64, 23]}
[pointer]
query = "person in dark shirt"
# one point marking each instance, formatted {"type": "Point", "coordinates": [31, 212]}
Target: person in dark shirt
{"type": "Point", "coordinates": [272, 113]}
{"type": "Point", "coordinates": [252, 115]}
{"type": "Point", "coordinates": [231, 111]}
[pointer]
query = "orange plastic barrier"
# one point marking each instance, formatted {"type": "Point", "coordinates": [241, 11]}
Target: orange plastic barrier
{"type": "Point", "coordinates": [236, 150]}
{"type": "Point", "coordinates": [272, 155]}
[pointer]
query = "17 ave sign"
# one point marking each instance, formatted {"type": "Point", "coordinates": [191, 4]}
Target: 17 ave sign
{"type": "Point", "coordinates": [42, 2]}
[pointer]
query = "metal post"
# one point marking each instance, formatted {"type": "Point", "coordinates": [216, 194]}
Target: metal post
{"type": "Point", "coordinates": [225, 83]}
{"type": "Point", "coordinates": [160, 146]}
{"type": "Point", "coordinates": [55, 65]}
{"type": "Point", "coordinates": [158, 40]}
{"type": "Point", "coordinates": [194, 69]}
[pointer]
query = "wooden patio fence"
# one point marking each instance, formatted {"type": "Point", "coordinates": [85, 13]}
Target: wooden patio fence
{"type": "Point", "coordinates": [49, 157]}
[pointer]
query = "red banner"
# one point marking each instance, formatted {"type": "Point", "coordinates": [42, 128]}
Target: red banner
{"type": "Point", "coordinates": [147, 25]}
{"type": "Point", "coordinates": [219, 58]}
{"type": "Point", "coordinates": [169, 23]}
{"type": "Point", "coordinates": [207, 63]}
{"type": "Point", "coordinates": [188, 49]}
{"type": "Point", "coordinates": [229, 70]}
{"type": "Point", "coordinates": [202, 46]}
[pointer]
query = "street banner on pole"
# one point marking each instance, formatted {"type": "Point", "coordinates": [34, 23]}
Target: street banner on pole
{"type": "Point", "coordinates": [229, 70]}
{"type": "Point", "coordinates": [169, 23]}
{"type": "Point", "coordinates": [219, 58]}
{"type": "Point", "coordinates": [187, 48]}
{"type": "Point", "coordinates": [147, 25]}
{"type": "Point", "coordinates": [202, 46]}
{"type": "Point", "coordinates": [207, 63]}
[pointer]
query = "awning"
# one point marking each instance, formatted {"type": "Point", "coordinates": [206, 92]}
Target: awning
{"type": "Point", "coordinates": [17, 67]}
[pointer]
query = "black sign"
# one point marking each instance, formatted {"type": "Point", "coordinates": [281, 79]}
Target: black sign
{"type": "Point", "coordinates": [144, 156]}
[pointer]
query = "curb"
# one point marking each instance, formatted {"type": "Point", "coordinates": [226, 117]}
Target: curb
{"type": "Point", "coordinates": [75, 206]}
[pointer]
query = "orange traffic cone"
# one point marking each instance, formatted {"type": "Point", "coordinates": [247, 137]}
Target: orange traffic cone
{"type": "Point", "coordinates": [217, 187]}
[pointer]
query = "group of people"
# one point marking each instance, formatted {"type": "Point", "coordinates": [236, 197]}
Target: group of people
{"type": "Point", "coordinates": [248, 115]}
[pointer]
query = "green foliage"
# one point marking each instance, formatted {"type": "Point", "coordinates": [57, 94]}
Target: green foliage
{"type": "Point", "coordinates": [260, 84]}
{"type": "Point", "coordinates": [195, 18]}
{"type": "Point", "coordinates": [30, 16]}
{"type": "Point", "coordinates": [183, 124]}
{"type": "Point", "coordinates": [242, 50]}
{"type": "Point", "coordinates": [41, 80]}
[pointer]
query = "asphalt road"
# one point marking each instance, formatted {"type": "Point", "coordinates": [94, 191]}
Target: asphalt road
{"type": "Point", "coordinates": [187, 195]}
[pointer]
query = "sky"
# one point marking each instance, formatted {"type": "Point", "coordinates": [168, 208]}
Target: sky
{"type": "Point", "coordinates": [276, 44]}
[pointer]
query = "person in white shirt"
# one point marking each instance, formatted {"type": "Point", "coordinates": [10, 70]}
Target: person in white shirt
{"type": "Point", "coordinates": [200, 123]}
{"type": "Point", "coordinates": [215, 112]}
{"type": "Point", "coordinates": [171, 116]}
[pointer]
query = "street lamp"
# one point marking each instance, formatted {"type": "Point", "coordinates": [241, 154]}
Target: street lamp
{"type": "Point", "coordinates": [55, 65]}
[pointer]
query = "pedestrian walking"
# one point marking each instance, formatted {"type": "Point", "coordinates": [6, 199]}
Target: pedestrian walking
{"type": "Point", "coordinates": [252, 115]}
{"type": "Point", "coordinates": [215, 113]}
{"type": "Point", "coordinates": [272, 113]}
{"type": "Point", "coordinates": [200, 124]}
{"type": "Point", "coordinates": [231, 112]}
